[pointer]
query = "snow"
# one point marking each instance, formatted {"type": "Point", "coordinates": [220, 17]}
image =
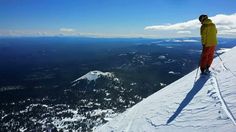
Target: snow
{"type": "Point", "coordinates": [162, 84]}
{"type": "Point", "coordinates": [93, 76]}
{"type": "Point", "coordinates": [132, 84]}
{"type": "Point", "coordinates": [223, 50]}
{"type": "Point", "coordinates": [107, 99]}
{"type": "Point", "coordinates": [162, 57]}
{"type": "Point", "coordinates": [209, 105]}
{"type": "Point", "coordinates": [23, 129]}
{"type": "Point", "coordinates": [61, 123]}
{"type": "Point", "coordinates": [174, 73]}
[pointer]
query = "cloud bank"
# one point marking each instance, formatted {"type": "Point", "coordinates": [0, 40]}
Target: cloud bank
{"type": "Point", "coordinates": [226, 25]}
{"type": "Point", "coordinates": [184, 32]}
{"type": "Point", "coordinates": [28, 32]}
{"type": "Point", "coordinates": [192, 24]}
{"type": "Point", "coordinates": [67, 30]}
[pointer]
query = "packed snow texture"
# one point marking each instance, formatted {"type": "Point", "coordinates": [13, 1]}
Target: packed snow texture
{"type": "Point", "coordinates": [208, 105]}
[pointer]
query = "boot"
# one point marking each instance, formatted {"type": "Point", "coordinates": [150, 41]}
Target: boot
{"type": "Point", "coordinates": [207, 70]}
{"type": "Point", "coordinates": [203, 71]}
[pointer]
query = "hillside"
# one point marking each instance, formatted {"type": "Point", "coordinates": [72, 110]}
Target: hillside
{"type": "Point", "coordinates": [208, 105]}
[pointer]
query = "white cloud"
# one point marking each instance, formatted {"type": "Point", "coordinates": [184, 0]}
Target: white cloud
{"type": "Point", "coordinates": [226, 25]}
{"type": "Point", "coordinates": [184, 32]}
{"type": "Point", "coordinates": [192, 24]}
{"type": "Point", "coordinates": [36, 33]}
{"type": "Point", "coordinates": [23, 33]}
{"type": "Point", "coordinates": [228, 32]}
{"type": "Point", "coordinates": [225, 21]}
{"type": "Point", "coordinates": [67, 30]}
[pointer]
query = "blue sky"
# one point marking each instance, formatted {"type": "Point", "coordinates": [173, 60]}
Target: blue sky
{"type": "Point", "coordinates": [111, 18]}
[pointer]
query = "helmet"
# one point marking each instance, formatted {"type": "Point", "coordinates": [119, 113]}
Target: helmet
{"type": "Point", "coordinates": [202, 17]}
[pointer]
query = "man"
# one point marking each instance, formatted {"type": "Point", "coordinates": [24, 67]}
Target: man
{"type": "Point", "coordinates": [209, 42]}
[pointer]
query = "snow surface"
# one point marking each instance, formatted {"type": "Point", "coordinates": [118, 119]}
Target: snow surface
{"type": "Point", "coordinates": [93, 76]}
{"type": "Point", "coordinates": [209, 105]}
{"type": "Point", "coordinates": [223, 50]}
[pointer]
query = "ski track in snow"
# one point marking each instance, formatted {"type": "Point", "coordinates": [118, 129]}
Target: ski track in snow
{"type": "Point", "coordinates": [215, 82]}
{"type": "Point", "coordinates": [132, 119]}
{"type": "Point", "coordinates": [207, 106]}
{"type": "Point", "coordinates": [219, 92]}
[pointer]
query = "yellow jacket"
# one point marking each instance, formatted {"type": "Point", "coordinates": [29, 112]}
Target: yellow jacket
{"type": "Point", "coordinates": [208, 33]}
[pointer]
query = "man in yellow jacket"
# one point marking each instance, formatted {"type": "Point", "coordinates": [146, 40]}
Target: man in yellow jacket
{"type": "Point", "coordinates": [209, 42]}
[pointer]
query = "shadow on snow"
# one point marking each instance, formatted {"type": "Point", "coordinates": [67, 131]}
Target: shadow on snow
{"type": "Point", "coordinates": [196, 88]}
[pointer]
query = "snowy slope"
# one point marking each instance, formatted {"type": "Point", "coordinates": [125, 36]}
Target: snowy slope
{"type": "Point", "coordinates": [207, 106]}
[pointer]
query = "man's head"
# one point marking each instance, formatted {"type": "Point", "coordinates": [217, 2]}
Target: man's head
{"type": "Point", "coordinates": [202, 18]}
